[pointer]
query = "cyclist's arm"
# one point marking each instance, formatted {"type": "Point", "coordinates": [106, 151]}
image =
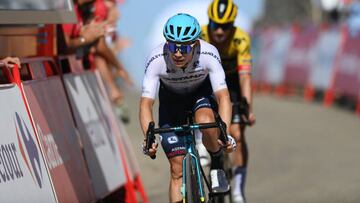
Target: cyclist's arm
{"type": "Point", "coordinates": [245, 82]}
{"type": "Point", "coordinates": [223, 99]}
{"type": "Point", "coordinates": [145, 114]}
{"type": "Point", "coordinates": [244, 69]}
{"type": "Point", "coordinates": [218, 83]}
{"type": "Point", "coordinates": [149, 89]}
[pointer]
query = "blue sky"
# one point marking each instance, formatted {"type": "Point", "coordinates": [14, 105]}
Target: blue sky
{"type": "Point", "coordinates": [141, 21]}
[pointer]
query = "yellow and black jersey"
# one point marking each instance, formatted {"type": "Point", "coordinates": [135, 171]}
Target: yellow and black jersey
{"type": "Point", "coordinates": [236, 55]}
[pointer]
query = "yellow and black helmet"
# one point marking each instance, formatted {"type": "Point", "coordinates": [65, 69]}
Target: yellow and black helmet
{"type": "Point", "coordinates": [222, 11]}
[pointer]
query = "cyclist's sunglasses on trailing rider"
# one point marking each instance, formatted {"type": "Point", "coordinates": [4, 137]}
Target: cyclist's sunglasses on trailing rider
{"type": "Point", "coordinates": [183, 48]}
{"type": "Point", "coordinates": [226, 26]}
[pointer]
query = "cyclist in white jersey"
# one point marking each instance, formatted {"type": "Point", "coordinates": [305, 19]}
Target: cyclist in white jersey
{"type": "Point", "coordinates": [188, 75]}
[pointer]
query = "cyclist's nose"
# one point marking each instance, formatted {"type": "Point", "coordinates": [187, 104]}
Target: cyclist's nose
{"type": "Point", "coordinates": [178, 53]}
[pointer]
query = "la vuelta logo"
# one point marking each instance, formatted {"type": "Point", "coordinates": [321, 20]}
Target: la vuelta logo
{"type": "Point", "coordinates": [29, 150]}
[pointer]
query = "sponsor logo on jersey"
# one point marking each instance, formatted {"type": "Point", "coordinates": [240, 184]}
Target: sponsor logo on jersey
{"type": "Point", "coordinates": [29, 150]}
{"type": "Point", "coordinates": [196, 76]}
{"type": "Point", "coordinates": [152, 59]}
{"type": "Point", "coordinates": [173, 140]}
{"type": "Point", "coordinates": [211, 54]}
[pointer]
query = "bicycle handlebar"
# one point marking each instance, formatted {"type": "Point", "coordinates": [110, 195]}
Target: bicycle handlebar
{"type": "Point", "coordinates": [150, 134]}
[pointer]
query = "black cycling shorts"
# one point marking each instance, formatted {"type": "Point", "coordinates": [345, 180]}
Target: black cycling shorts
{"type": "Point", "coordinates": [173, 111]}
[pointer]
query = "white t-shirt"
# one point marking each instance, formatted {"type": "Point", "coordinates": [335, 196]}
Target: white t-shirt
{"type": "Point", "coordinates": [159, 66]}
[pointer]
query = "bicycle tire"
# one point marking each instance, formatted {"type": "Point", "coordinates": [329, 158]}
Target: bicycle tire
{"type": "Point", "coordinates": [192, 190]}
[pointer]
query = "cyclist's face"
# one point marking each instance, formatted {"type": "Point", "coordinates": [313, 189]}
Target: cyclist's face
{"type": "Point", "coordinates": [220, 32]}
{"type": "Point", "coordinates": [181, 53]}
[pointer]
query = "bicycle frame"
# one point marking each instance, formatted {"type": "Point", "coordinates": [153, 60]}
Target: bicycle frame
{"type": "Point", "coordinates": [190, 147]}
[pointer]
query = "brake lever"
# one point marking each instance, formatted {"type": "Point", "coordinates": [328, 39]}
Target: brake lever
{"type": "Point", "coordinates": [150, 138]}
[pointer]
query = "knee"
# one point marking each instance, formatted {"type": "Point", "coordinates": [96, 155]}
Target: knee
{"type": "Point", "coordinates": [204, 118]}
{"type": "Point", "coordinates": [237, 136]}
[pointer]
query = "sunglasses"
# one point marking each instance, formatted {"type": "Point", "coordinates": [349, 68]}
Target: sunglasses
{"type": "Point", "coordinates": [184, 49]}
{"type": "Point", "coordinates": [215, 26]}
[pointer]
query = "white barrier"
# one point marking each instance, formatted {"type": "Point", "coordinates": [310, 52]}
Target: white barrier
{"type": "Point", "coordinates": [101, 151]}
{"type": "Point", "coordinates": [323, 58]}
{"type": "Point", "coordinates": [277, 56]}
{"type": "Point", "coordinates": [118, 129]}
{"type": "Point", "coordinates": [23, 174]}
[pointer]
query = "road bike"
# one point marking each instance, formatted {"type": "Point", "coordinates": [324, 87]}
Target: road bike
{"type": "Point", "coordinates": [193, 190]}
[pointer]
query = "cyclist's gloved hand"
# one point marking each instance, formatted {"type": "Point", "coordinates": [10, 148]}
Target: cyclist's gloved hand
{"type": "Point", "coordinates": [152, 151]}
{"type": "Point", "coordinates": [230, 145]}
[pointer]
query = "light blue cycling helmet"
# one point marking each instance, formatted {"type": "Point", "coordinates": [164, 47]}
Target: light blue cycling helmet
{"type": "Point", "coordinates": [182, 28]}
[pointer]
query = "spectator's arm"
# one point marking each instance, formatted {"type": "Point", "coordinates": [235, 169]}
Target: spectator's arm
{"type": "Point", "coordinates": [103, 50]}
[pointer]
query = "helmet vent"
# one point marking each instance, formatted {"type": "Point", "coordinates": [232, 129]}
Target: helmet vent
{"type": "Point", "coordinates": [187, 29]}
{"type": "Point", "coordinates": [178, 31]}
{"type": "Point", "coordinates": [193, 32]}
{"type": "Point", "coordinates": [171, 29]}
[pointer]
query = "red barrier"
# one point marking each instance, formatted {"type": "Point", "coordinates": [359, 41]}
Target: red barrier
{"type": "Point", "coordinates": [345, 77]}
{"type": "Point", "coordinates": [132, 171]}
{"type": "Point", "coordinates": [297, 70]}
{"type": "Point", "coordinates": [260, 70]}
{"type": "Point", "coordinates": [56, 131]}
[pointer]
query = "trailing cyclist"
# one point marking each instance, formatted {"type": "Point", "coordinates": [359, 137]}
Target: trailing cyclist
{"type": "Point", "coordinates": [188, 73]}
{"type": "Point", "coordinates": [234, 48]}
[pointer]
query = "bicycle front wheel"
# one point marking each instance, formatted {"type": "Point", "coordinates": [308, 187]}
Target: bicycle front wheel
{"type": "Point", "coordinates": [192, 194]}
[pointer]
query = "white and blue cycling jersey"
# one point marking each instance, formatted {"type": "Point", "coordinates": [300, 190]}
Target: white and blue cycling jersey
{"type": "Point", "coordinates": [206, 63]}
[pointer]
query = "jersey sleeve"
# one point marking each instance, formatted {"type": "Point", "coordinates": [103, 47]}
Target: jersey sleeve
{"type": "Point", "coordinates": [244, 58]}
{"type": "Point", "coordinates": [151, 79]}
{"type": "Point", "coordinates": [216, 71]}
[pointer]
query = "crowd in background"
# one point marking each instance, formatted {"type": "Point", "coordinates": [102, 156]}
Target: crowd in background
{"type": "Point", "coordinates": [94, 40]}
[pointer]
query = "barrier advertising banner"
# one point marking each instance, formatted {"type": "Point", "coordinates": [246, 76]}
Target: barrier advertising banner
{"type": "Point", "coordinates": [59, 139]}
{"type": "Point", "coordinates": [101, 150]}
{"type": "Point", "coordinates": [347, 69]}
{"type": "Point", "coordinates": [266, 41]}
{"type": "Point", "coordinates": [23, 174]}
{"type": "Point", "coordinates": [118, 129]}
{"type": "Point", "coordinates": [297, 71]}
{"type": "Point", "coordinates": [323, 58]}
{"type": "Point", "coordinates": [277, 55]}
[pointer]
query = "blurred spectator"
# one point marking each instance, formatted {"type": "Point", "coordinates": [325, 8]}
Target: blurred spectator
{"type": "Point", "coordinates": [97, 21]}
{"type": "Point", "coordinates": [10, 62]}
{"type": "Point", "coordinates": [106, 11]}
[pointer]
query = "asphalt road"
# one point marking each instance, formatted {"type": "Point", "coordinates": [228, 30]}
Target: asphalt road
{"type": "Point", "coordinates": [299, 152]}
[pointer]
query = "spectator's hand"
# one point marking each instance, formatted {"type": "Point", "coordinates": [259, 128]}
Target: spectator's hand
{"type": "Point", "coordinates": [11, 61]}
{"type": "Point", "coordinates": [93, 31]}
{"type": "Point", "coordinates": [124, 74]}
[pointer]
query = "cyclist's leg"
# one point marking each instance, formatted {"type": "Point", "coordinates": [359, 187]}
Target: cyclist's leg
{"type": "Point", "coordinates": [203, 109]}
{"type": "Point", "coordinates": [172, 112]}
{"type": "Point", "coordinates": [175, 179]}
{"type": "Point", "coordinates": [240, 156]}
